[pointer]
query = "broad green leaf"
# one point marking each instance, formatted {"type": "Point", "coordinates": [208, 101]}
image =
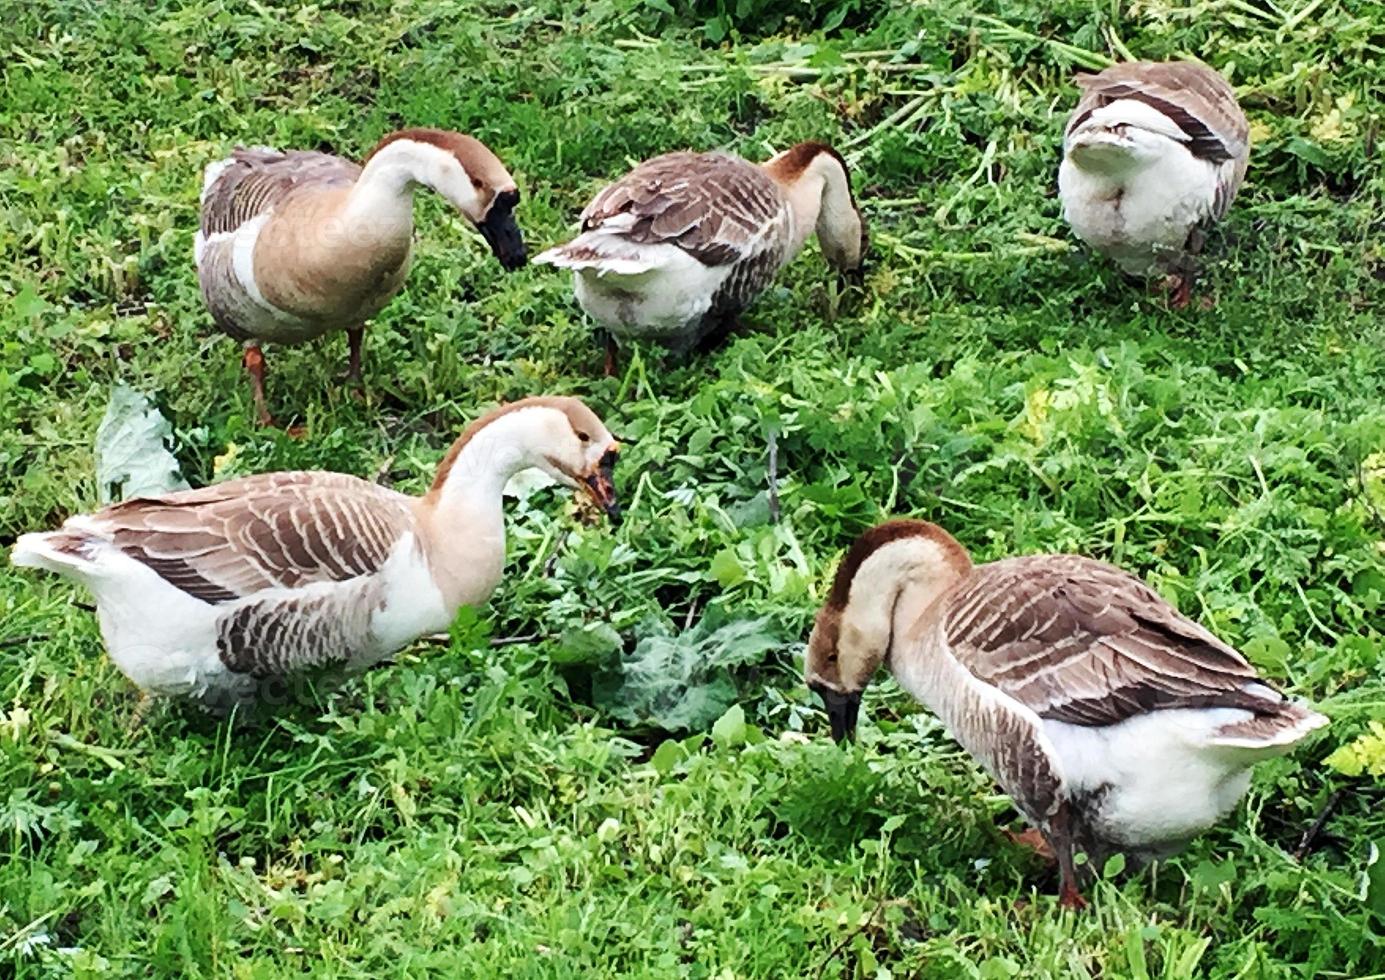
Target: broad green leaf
{"type": "Point", "coordinates": [666, 756]}
{"type": "Point", "coordinates": [682, 682]}
{"type": "Point", "coordinates": [590, 643]}
{"type": "Point", "coordinates": [1375, 879]}
{"type": "Point", "coordinates": [1211, 875]}
{"type": "Point", "coordinates": [729, 729]}
{"type": "Point", "coordinates": [726, 569]}
{"type": "Point", "coordinates": [132, 457]}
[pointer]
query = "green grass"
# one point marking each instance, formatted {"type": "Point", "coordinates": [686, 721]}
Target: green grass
{"type": "Point", "coordinates": [481, 810]}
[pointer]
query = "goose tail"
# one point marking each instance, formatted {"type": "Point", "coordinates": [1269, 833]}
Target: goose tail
{"type": "Point", "coordinates": [1272, 733]}
{"type": "Point", "coordinates": [67, 552]}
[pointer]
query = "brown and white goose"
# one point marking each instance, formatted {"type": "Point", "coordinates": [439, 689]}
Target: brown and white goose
{"type": "Point", "coordinates": [1153, 154]}
{"type": "Point", "coordinates": [678, 247]}
{"type": "Point", "coordinates": [294, 245]}
{"type": "Point", "coordinates": [207, 593]}
{"type": "Point", "coordinates": [1112, 721]}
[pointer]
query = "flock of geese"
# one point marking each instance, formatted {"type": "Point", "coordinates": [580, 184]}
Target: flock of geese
{"type": "Point", "coordinates": [1114, 722]}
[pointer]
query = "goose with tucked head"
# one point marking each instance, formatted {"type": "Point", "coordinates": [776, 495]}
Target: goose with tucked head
{"type": "Point", "coordinates": [294, 245]}
{"type": "Point", "coordinates": [1153, 155]}
{"type": "Point", "coordinates": [1112, 721]}
{"type": "Point", "coordinates": [207, 594]}
{"type": "Point", "coordinates": [678, 247]}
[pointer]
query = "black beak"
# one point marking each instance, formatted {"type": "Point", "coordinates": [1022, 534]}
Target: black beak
{"type": "Point", "coordinates": [501, 233]}
{"type": "Point", "coordinates": [857, 276]}
{"type": "Point", "coordinates": [602, 485]}
{"type": "Point", "coordinates": [841, 711]}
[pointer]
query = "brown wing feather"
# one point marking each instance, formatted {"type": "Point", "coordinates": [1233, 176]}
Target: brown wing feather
{"type": "Point", "coordinates": [1197, 98]}
{"type": "Point", "coordinates": [256, 180]}
{"type": "Point", "coordinates": [712, 205]}
{"type": "Point", "coordinates": [280, 530]}
{"type": "Point", "coordinates": [1080, 641]}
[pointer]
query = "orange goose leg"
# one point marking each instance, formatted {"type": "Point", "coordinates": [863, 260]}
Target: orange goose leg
{"type": "Point", "coordinates": [254, 363]}
{"type": "Point", "coordinates": [1060, 836]}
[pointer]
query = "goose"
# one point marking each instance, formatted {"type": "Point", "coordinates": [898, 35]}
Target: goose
{"type": "Point", "coordinates": [218, 594]}
{"type": "Point", "coordinates": [678, 247]}
{"type": "Point", "coordinates": [296, 244]}
{"type": "Point", "coordinates": [1153, 154]}
{"type": "Point", "coordinates": [1112, 721]}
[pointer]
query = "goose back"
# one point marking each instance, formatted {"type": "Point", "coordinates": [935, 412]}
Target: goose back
{"type": "Point", "coordinates": [276, 262]}
{"type": "Point", "coordinates": [235, 539]}
{"type": "Point", "coordinates": [1079, 641]}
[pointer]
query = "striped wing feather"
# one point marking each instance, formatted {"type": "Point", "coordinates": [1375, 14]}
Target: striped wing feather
{"type": "Point", "coordinates": [1080, 641]}
{"type": "Point", "coordinates": [254, 181]}
{"type": "Point", "coordinates": [1198, 100]}
{"type": "Point", "coordinates": [280, 530]}
{"type": "Point", "coordinates": [714, 206]}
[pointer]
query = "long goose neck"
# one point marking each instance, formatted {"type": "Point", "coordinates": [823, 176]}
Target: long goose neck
{"type": "Point", "coordinates": [891, 589]}
{"type": "Point", "coordinates": [473, 475]}
{"type": "Point", "coordinates": [819, 197]}
{"type": "Point", "coordinates": [381, 201]}
{"type": "Point", "coordinates": [462, 517]}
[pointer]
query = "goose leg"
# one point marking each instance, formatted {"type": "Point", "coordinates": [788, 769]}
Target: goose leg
{"type": "Point", "coordinates": [354, 336]}
{"type": "Point", "coordinates": [254, 363]}
{"type": "Point", "coordinates": [610, 366]}
{"type": "Point", "coordinates": [1182, 292]}
{"type": "Point", "coordinates": [1060, 834]}
{"type": "Point", "coordinates": [716, 336]}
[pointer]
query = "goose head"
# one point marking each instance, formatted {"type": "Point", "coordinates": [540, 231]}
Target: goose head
{"type": "Point", "coordinates": [464, 171]}
{"type": "Point", "coordinates": [817, 183]}
{"type": "Point", "coordinates": [558, 435]}
{"type": "Point", "coordinates": [579, 452]}
{"type": "Point", "coordinates": [1122, 137]}
{"type": "Point", "coordinates": [892, 572]}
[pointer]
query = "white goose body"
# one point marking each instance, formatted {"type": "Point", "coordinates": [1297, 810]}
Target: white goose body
{"type": "Point", "coordinates": [171, 643]}
{"type": "Point", "coordinates": [1154, 152]}
{"type": "Point", "coordinates": [207, 594]}
{"type": "Point", "coordinates": [1147, 784]}
{"type": "Point", "coordinates": [662, 294]}
{"type": "Point", "coordinates": [1113, 722]}
{"type": "Point", "coordinates": [1140, 217]}
{"type": "Point", "coordinates": [678, 247]}
{"type": "Point", "coordinates": [1200, 778]}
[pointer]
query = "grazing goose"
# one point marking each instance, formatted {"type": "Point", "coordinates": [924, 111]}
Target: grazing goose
{"type": "Point", "coordinates": [1114, 723]}
{"type": "Point", "coordinates": [679, 246]}
{"type": "Point", "coordinates": [297, 244]}
{"type": "Point", "coordinates": [209, 593]}
{"type": "Point", "coordinates": [1153, 154]}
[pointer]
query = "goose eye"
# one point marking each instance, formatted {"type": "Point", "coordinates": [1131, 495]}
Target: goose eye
{"type": "Point", "coordinates": [831, 658]}
{"type": "Point", "coordinates": [584, 437]}
{"type": "Point", "coordinates": [476, 182]}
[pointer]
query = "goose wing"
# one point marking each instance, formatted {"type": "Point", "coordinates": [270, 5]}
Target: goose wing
{"type": "Point", "coordinates": [1080, 641]}
{"type": "Point", "coordinates": [252, 182]}
{"type": "Point", "coordinates": [1195, 97]}
{"type": "Point", "coordinates": [278, 531]}
{"type": "Point", "coordinates": [714, 206]}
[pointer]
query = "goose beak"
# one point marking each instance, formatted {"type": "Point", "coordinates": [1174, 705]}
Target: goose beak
{"type": "Point", "coordinates": [842, 709]}
{"type": "Point", "coordinates": [501, 233]}
{"type": "Point", "coordinates": [600, 483]}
